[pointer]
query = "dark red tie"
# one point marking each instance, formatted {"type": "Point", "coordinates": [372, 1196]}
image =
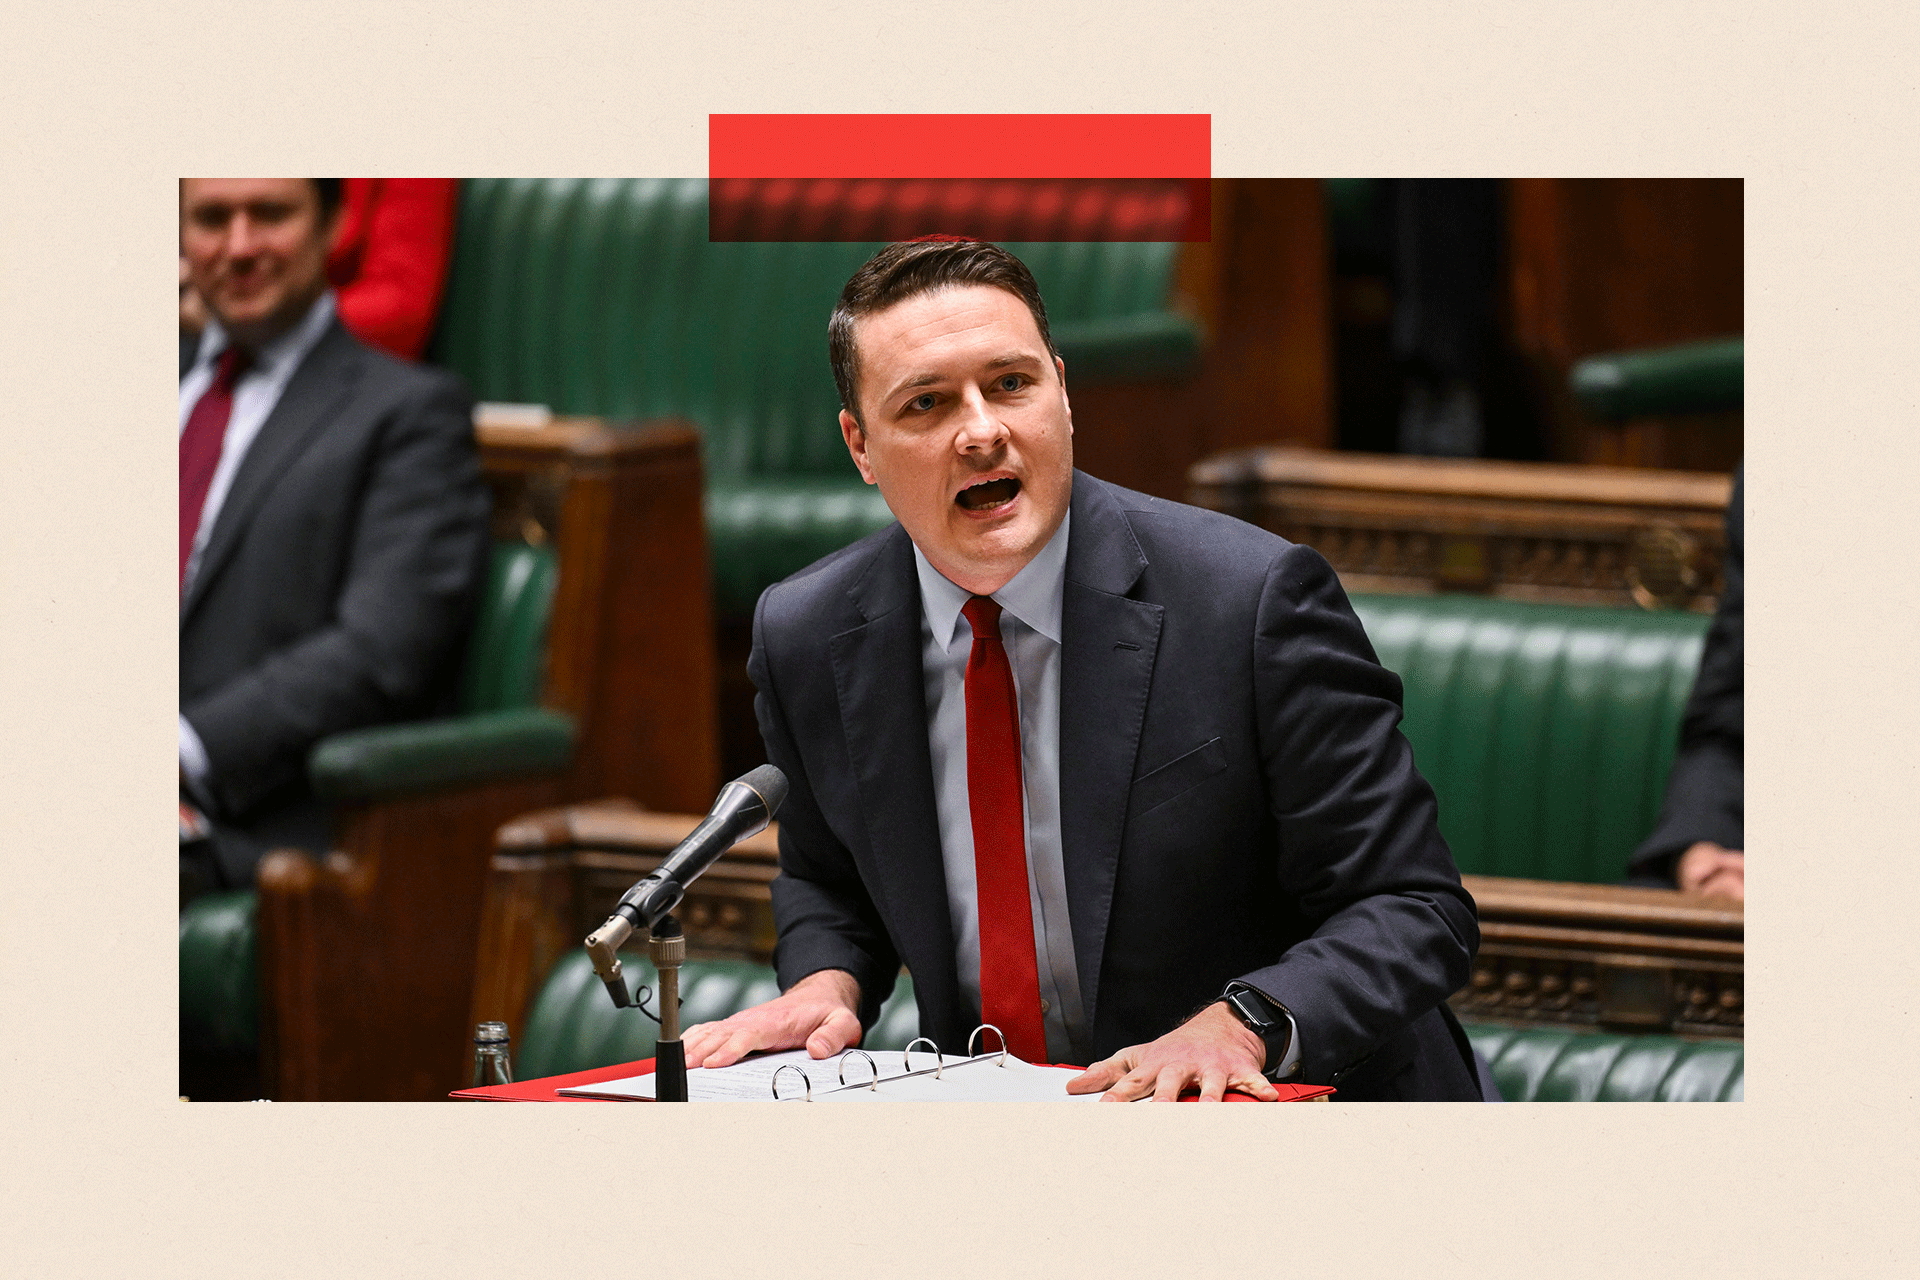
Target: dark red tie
{"type": "Point", "coordinates": [200, 444]}
{"type": "Point", "coordinates": [1009, 973]}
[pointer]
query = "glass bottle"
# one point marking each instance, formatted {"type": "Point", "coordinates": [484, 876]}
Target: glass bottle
{"type": "Point", "coordinates": [492, 1058]}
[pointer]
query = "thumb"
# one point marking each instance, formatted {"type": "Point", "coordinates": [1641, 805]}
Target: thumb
{"type": "Point", "coordinates": [840, 1029]}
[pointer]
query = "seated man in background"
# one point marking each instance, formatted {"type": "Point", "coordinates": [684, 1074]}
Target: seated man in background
{"type": "Point", "coordinates": [392, 243]}
{"type": "Point", "coordinates": [333, 526]}
{"type": "Point", "coordinates": [1698, 845]}
{"type": "Point", "coordinates": [1119, 776]}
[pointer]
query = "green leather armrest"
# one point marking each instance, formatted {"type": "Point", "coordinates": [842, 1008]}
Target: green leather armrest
{"type": "Point", "coordinates": [218, 1005]}
{"type": "Point", "coordinates": [1153, 344]}
{"type": "Point", "coordinates": [1694, 377]}
{"type": "Point", "coordinates": [367, 764]}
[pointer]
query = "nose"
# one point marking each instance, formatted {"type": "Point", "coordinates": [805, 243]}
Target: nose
{"type": "Point", "coordinates": [243, 238]}
{"type": "Point", "coordinates": [980, 429]}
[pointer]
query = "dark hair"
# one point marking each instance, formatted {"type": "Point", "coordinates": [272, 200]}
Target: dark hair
{"type": "Point", "coordinates": [331, 191]}
{"type": "Point", "coordinates": [909, 269]}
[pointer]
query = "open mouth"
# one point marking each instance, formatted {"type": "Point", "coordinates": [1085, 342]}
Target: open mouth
{"type": "Point", "coordinates": [988, 494]}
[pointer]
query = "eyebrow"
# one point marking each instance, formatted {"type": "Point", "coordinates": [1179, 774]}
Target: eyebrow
{"type": "Point", "coordinates": [933, 379]}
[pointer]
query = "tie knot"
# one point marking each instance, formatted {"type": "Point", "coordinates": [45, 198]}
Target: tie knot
{"type": "Point", "coordinates": [983, 612]}
{"type": "Point", "coordinates": [230, 364]}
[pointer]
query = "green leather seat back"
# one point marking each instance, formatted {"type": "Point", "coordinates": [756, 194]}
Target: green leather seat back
{"type": "Point", "coordinates": [1553, 1064]}
{"type": "Point", "coordinates": [604, 297]}
{"type": "Point", "coordinates": [505, 655]}
{"type": "Point", "coordinates": [1547, 731]}
{"type": "Point", "coordinates": [573, 1025]}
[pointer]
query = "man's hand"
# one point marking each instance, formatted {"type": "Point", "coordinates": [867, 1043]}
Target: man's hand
{"type": "Point", "coordinates": [820, 1012]}
{"type": "Point", "coordinates": [1213, 1049]}
{"type": "Point", "coordinates": [1708, 869]}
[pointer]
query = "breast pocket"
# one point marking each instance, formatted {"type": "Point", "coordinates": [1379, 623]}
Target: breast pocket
{"type": "Point", "coordinates": [1177, 777]}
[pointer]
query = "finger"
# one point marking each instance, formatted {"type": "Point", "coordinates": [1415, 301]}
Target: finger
{"type": "Point", "coordinates": [1259, 1086]}
{"type": "Point", "coordinates": [697, 1042]}
{"type": "Point", "coordinates": [1100, 1075]}
{"type": "Point", "coordinates": [735, 1047]}
{"type": "Point", "coordinates": [1213, 1084]}
{"type": "Point", "coordinates": [1131, 1086]}
{"type": "Point", "coordinates": [1167, 1086]}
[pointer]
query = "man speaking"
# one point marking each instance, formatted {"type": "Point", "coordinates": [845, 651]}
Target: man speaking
{"type": "Point", "coordinates": [1119, 776]}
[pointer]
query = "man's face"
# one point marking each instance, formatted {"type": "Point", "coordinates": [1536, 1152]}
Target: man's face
{"type": "Point", "coordinates": [256, 251]}
{"type": "Point", "coordinates": [968, 432]}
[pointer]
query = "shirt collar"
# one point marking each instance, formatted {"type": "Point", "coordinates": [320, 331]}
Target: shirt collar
{"type": "Point", "coordinates": [288, 349]}
{"type": "Point", "coordinates": [1032, 595]}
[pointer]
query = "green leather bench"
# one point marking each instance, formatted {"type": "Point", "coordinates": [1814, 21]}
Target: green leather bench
{"type": "Point", "coordinates": [603, 297]}
{"type": "Point", "coordinates": [1547, 731]}
{"type": "Point", "coordinates": [573, 1026]}
{"type": "Point", "coordinates": [503, 732]}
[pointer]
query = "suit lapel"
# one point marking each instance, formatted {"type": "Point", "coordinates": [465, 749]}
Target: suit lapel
{"type": "Point", "coordinates": [312, 396]}
{"type": "Point", "coordinates": [1108, 643]}
{"type": "Point", "coordinates": [877, 677]}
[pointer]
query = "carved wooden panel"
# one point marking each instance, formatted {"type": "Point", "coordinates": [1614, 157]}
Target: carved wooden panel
{"type": "Point", "coordinates": [1520, 530]}
{"type": "Point", "coordinates": [1626, 959]}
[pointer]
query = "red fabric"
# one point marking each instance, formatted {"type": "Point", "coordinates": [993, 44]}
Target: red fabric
{"type": "Point", "coordinates": [389, 259]}
{"type": "Point", "coordinates": [547, 1089]}
{"type": "Point", "coordinates": [200, 445]}
{"type": "Point", "coordinates": [1105, 145]}
{"type": "Point", "coordinates": [1009, 970]}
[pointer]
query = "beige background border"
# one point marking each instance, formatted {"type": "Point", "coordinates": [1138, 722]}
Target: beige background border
{"type": "Point", "coordinates": [107, 1175]}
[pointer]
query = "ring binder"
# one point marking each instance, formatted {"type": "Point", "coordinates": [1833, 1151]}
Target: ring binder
{"type": "Point", "coordinates": [803, 1076]}
{"type": "Point", "coordinates": [1015, 1080]}
{"type": "Point", "coordinates": [871, 1066]}
{"type": "Point", "coordinates": [940, 1060]}
{"type": "Point", "coordinates": [988, 1026]}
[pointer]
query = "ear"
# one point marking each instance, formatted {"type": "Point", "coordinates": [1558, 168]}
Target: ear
{"type": "Point", "coordinates": [1060, 367]}
{"type": "Point", "coordinates": [856, 439]}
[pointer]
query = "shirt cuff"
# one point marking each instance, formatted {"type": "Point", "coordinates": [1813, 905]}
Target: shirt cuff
{"type": "Point", "coordinates": [193, 762]}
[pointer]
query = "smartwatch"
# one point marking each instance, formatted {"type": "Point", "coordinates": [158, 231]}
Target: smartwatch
{"type": "Point", "coordinates": [1272, 1022]}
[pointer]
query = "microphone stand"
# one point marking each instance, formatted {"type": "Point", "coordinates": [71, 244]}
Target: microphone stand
{"type": "Point", "coordinates": [667, 948]}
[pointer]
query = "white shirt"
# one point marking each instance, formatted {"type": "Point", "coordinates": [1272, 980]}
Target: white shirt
{"type": "Point", "coordinates": [1030, 630]}
{"type": "Point", "coordinates": [255, 394]}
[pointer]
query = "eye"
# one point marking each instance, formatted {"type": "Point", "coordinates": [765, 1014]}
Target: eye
{"type": "Point", "coordinates": [922, 403]}
{"type": "Point", "coordinates": [1011, 381]}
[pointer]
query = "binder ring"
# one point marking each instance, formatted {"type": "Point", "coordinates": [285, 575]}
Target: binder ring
{"type": "Point", "coordinates": [988, 1026]}
{"type": "Point", "coordinates": [803, 1077]}
{"type": "Point", "coordinates": [871, 1066]}
{"type": "Point", "coordinates": [906, 1060]}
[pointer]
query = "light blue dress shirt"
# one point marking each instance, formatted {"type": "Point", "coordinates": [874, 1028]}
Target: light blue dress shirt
{"type": "Point", "coordinates": [1030, 629]}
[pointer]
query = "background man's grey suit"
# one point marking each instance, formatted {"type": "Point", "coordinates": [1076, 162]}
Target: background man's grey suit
{"type": "Point", "coordinates": [338, 581]}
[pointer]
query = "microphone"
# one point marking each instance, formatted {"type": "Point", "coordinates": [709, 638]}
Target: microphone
{"type": "Point", "coordinates": [743, 808]}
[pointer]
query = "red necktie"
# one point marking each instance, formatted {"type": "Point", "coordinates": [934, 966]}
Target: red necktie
{"type": "Point", "coordinates": [200, 444]}
{"type": "Point", "coordinates": [1009, 973]}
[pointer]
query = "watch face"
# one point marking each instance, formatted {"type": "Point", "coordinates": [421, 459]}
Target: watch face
{"type": "Point", "coordinates": [1247, 1006]}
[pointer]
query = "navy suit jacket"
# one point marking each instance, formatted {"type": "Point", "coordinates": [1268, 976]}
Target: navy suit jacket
{"type": "Point", "coordinates": [1236, 798]}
